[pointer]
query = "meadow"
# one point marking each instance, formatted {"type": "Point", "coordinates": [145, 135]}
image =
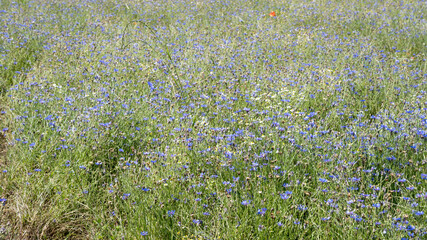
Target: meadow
{"type": "Point", "coordinates": [203, 119]}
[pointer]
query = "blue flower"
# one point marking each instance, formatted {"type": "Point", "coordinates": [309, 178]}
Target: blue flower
{"type": "Point", "coordinates": [302, 207]}
{"type": "Point", "coordinates": [323, 180]}
{"type": "Point", "coordinates": [150, 85]}
{"type": "Point", "coordinates": [171, 213]}
{"type": "Point", "coordinates": [262, 211]}
{"type": "Point", "coordinates": [410, 228]}
{"type": "Point", "coordinates": [419, 213]}
{"type": "Point", "coordinates": [376, 205]}
{"type": "Point", "coordinates": [125, 196]}
{"type": "Point", "coordinates": [285, 195]}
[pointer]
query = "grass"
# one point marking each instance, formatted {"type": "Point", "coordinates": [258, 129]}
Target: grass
{"type": "Point", "coordinates": [213, 120]}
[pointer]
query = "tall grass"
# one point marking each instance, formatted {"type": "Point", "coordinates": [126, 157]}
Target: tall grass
{"type": "Point", "coordinates": [213, 120]}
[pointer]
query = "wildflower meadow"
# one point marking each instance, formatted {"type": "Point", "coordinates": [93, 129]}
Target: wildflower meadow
{"type": "Point", "coordinates": [213, 119]}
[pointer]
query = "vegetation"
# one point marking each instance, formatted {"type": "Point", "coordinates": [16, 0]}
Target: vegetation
{"type": "Point", "coordinates": [213, 119]}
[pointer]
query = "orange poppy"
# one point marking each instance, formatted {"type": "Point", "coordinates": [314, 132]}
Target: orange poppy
{"type": "Point", "coordinates": [272, 14]}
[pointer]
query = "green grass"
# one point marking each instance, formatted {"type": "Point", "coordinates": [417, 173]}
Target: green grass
{"type": "Point", "coordinates": [213, 120]}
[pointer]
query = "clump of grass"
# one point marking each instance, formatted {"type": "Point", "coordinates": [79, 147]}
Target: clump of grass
{"type": "Point", "coordinates": [18, 60]}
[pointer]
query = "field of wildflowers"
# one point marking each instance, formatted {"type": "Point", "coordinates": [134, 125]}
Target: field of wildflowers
{"type": "Point", "coordinates": [203, 119]}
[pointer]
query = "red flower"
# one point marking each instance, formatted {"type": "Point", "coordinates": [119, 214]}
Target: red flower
{"type": "Point", "coordinates": [272, 14]}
